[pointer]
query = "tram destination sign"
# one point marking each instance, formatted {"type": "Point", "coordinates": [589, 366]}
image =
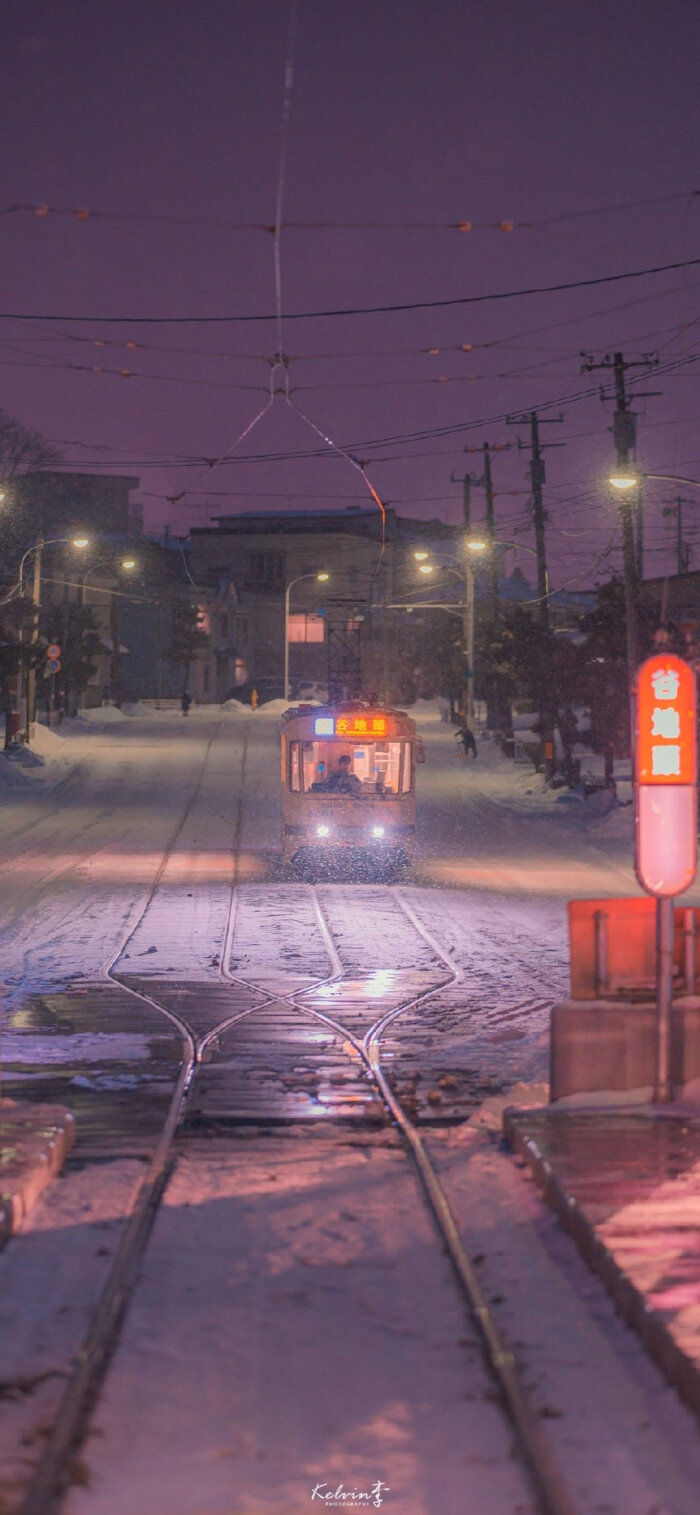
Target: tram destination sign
{"type": "Point", "coordinates": [351, 725]}
{"type": "Point", "coordinates": [665, 775]}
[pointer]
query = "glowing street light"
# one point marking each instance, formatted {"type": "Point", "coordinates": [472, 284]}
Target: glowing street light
{"type": "Point", "coordinates": [426, 568]}
{"type": "Point", "coordinates": [625, 479]}
{"type": "Point", "coordinates": [420, 556]}
{"type": "Point", "coordinates": [321, 578]}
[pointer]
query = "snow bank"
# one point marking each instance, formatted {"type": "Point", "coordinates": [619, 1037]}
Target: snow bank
{"type": "Point", "coordinates": [424, 711]}
{"type": "Point", "coordinates": [47, 743]}
{"type": "Point", "coordinates": [104, 715]}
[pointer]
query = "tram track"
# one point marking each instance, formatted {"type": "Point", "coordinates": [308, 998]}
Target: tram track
{"type": "Point", "coordinates": [365, 1045]}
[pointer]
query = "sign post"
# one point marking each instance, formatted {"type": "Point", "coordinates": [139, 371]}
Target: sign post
{"type": "Point", "coordinates": [665, 785]}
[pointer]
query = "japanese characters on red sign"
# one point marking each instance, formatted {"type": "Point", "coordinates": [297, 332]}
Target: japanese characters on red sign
{"type": "Point", "coordinates": [666, 722]}
{"type": "Point", "coordinates": [361, 725]}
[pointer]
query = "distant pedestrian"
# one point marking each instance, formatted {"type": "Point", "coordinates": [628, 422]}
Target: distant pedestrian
{"type": "Point", "coordinates": [185, 702]}
{"type": "Point", "coordinates": [254, 699]}
{"type": "Point", "coordinates": [420, 750]}
{"type": "Point", "coordinates": [466, 737]}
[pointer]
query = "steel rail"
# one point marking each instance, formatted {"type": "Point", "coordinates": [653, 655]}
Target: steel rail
{"type": "Point", "coordinates": [94, 1358]}
{"type": "Point", "coordinates": [552, 1490]}
{"type": "Point", "coordinates": [46, 1485]}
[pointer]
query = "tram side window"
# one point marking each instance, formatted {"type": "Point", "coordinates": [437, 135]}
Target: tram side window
{"type": "Point", "coordinates": [406, 769]}
{"type": "Point", "coordinates": [294, 767]}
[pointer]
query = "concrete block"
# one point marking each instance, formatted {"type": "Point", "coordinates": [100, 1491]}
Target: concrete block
{"type": "Point", "coordinates": [601, 1045]}
{"type": "Point", "coordinates": [34, 1141]}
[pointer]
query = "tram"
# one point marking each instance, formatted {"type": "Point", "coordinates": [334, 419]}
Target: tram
{"type": "Point", "coordinates": [348, 790]}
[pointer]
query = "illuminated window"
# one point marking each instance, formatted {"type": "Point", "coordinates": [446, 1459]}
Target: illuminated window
{"type": "Point", "coordinates": [294, 766]}
{"type": "Point", "coordinates": [306, 628]}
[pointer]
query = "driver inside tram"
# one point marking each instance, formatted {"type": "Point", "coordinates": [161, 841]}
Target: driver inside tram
{"type": "Point", "coordinates": [342, 780]}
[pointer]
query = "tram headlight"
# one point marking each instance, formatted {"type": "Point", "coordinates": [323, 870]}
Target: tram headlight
{"type": "Point", "coordinates": [377, 831]}
{"type": "Point", "coordinates": [323, 830]}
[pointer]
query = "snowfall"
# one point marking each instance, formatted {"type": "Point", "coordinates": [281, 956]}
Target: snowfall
{"type": "Point", "coordinates": [295, 1325]}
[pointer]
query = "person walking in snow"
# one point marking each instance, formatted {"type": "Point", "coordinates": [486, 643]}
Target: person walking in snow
{"type": "Point", "coordinates": [185, 702]}
{"type": "Point", "coordinates": [466, 737]}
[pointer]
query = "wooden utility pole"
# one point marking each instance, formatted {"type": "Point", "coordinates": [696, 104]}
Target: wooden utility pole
{"type": "Point", "coordinates": [639, 533]}
{"type": "Point", "coordinates": [115, 632]}
{"type": "Point", "coordinates": [539, 521]}
{"type": "Point", "coordinates": [33, 639]}
{"type": "Point", "coordinates": [467, 647]}
{"type": "Point", "coordinates": [466, 482]}
{"type": "Point", "coordinates": [490, 534]}
{"type": "Point", "coordinates": [625, 437]}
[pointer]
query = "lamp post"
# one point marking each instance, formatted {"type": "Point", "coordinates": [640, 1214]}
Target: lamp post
{"type": "Point", "coordinates": [128, 565]}
{"type": "Point", "coordinates": [623, 480]}
{"type": "Point", "coordinates": [37, 548]}
{"type": "Point", "coordinates": [321, 578]}
{"type": "Point", "coordinates": [467, 579]}
{"type": "Point", "coordinates": [479, 546]}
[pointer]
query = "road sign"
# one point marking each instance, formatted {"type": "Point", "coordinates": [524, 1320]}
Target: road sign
{"type": "Point", "coordinates": [665, 775]}
{"type": "Point", "coordinates": [54, 665]}
{"type": "Point", "coordinates": [666, 814]}
{"type": "Point", "coordinates": [53, 650]}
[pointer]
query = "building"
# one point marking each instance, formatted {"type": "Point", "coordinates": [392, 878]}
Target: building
{"type": "Point", "coordinates": [341, 638]}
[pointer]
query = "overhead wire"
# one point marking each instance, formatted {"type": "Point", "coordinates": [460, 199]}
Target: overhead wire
{"type": "Point", "coordinates": [399, 307]}
{"type": "Point", "coordinates": [43, 211]}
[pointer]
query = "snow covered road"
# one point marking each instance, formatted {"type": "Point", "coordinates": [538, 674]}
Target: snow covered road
{"type": "Point", "coordinates": [342, 1355]}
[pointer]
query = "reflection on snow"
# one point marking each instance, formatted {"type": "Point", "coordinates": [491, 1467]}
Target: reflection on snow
{"type": "Point", "coordinates": [374, 986]}
{"type": "Point", "coordinates": [88, 1047]}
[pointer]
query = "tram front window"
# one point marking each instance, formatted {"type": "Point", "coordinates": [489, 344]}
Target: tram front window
{"type": "Point", "coordinates": [361, 772]}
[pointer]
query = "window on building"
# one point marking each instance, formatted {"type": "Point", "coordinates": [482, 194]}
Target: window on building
{"type": "Point", "coordinates": [306, 628]}
{"type": "Point", "coordinates": [265, 570]}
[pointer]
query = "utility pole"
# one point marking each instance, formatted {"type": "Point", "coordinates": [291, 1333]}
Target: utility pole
{"type": "Point", "coordinates": [624, 431]}
{"type": "Point", "coordinates": [467, 647]}
{"type": "Point", "coordinates": [490, 534]}
{"type": "Point", "coordinates": [115, 632]}
{"type": "Point", "coordinates": [539, 520]}
{"type": "Point", "coordinates": [639, 533]}
{"type": "Point", "coordinates": [33, 639]}
{"type": "Point", "coordinates": [466, 483]}
{"type": "Point", "coordinates": [682, 548]}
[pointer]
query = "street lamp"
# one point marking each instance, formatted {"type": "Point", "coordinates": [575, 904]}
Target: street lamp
{"type": "Point", "coordinates": [127, 565]}
{"type": "Point", "coordinates": [480, 546]}
{"type": "Point", "coordinates": [467, 579]}
{"type": "Point", "coordinates": [625, 479]}
{"type": "Point", "coordinates": [321, 578]}
{"type": "Point", "coordinates": [37, 547]}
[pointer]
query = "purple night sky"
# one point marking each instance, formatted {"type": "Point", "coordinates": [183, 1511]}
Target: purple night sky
{"type": "Point", "coordinates": [516, 110]}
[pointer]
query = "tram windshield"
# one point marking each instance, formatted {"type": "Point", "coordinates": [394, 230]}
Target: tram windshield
{"type": "Point", "coordinates": [364, 771]}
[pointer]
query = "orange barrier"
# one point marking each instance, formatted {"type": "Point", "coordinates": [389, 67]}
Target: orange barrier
{"type": "Point", "coordinates": [613, 948]}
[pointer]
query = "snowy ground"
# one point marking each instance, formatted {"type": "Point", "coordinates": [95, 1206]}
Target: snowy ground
{"type": "Point", "coordinates": [296, 1321]}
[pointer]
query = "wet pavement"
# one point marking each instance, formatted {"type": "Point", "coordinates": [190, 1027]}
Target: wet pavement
{"type": "Point", "coordinates": [627, 1186]}
{"type": "Point", "coordinates": [109, 1057]}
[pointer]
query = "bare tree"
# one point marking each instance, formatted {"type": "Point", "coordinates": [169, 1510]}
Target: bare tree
{"type": "Point", "coordinates": [21, 449]}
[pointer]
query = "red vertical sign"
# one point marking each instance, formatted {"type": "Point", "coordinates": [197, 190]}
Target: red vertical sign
{"type": "Point", "coordinates": [666, 775]}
